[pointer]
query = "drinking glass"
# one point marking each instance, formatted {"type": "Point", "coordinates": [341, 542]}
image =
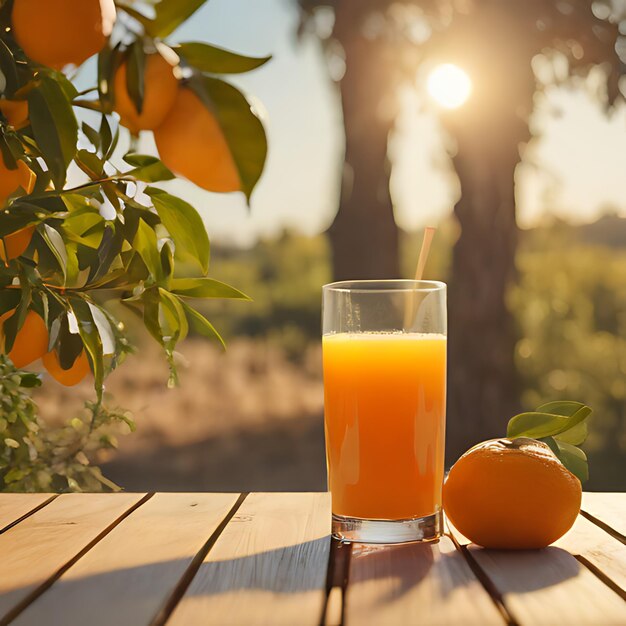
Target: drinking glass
{"type": "Point", "coordinates": [384, 352]}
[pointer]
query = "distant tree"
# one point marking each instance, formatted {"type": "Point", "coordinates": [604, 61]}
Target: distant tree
{"type": "Point", "coordinates": [495, 41]}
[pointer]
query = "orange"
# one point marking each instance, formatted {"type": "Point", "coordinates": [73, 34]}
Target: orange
{"type": "Point", "coordinates": [16, 112]}
{"type": "Point", "coordinates": [12, 180]}
{"type": "Point", "coordinates": [31, 341]}
{"type": "Point", "coordinates": [15, 244]}
{"type": "Point", "coordinates": [511, 494]}
{"type": "Point", "coordinates": [73, 375]}
{"type": "Point", "coordinates": [160, 88]}
{"type": "Point", "coordinates": [192, 144]}
{"type": "Point", "coordinates": [62, 32]}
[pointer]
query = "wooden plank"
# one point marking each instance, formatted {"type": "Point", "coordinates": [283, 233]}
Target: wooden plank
{"type": "Point", "coordinates": [15, 505]}
{"type": "Point", "coordinates": [268, 566]}
{"type": "Point", "coordinates": [598, 548]}
{"type": "Point", "coordinates": [127, 576]}
{"type": "Point", "coordinates": [547, 587]}
{"type": "Point", "coordinates": [334, 608]}
{"type": "Point", "coordinates": [609, 508]}
{"type": "Point", "coordinates": [416, 584]}
{"type": "Point", "coordinates": [550, 587]}
{"type": "Point", "coordinates": [37, 548]}
{"type": "Point", "coordinates": [337, 582]}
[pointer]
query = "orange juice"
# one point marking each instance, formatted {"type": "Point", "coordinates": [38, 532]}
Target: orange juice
{"type": "Point", "coordinates": [384, 397]}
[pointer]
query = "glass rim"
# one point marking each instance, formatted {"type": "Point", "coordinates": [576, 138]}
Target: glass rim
{"type": "Point", "coordinates": [386, 285]}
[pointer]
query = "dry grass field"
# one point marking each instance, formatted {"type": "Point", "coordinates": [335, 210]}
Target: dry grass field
{"type": "Point", "coordinates": [242, 420]}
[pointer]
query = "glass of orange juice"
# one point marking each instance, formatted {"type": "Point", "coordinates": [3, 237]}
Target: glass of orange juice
{"type": "Point", "coordinates": [384, 352]}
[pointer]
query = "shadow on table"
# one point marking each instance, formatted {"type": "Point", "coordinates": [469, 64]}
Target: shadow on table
{"type": "Point", "coordinates": [137, 593]}
{"type": "Point", "coordinates": [523, 571]}
{"type": "Point", "coordinates": [290, 569]}
{"type": "Point", "coordinates": [405, 565]}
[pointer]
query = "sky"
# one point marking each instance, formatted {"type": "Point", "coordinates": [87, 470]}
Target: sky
{"type": "Point", "coordinates": [574, 170]}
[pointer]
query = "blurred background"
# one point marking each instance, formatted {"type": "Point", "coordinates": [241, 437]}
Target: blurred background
{"type": "Point", "coordinates": [503, 124]}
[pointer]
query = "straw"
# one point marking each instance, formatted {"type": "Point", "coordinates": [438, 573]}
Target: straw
{"type": "Point", "coordinates": [409, 311]}
{"type": "Point", "coordinates": [429, 233]}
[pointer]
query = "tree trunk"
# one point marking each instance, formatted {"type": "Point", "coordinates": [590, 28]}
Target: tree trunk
{"type": "Point", "coordinates": [489, 130]}
{"type": "Point", "coordinates": [364, 235]}
{"type": "Point", "coordinates": [483, 391]}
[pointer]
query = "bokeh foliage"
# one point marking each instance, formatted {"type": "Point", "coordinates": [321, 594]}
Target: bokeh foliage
{"type": "Point", "coordinates": [570, 307]}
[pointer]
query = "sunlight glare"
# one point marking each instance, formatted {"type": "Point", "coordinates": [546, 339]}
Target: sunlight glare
{"type": "Point", "coordinates": [449, 85]}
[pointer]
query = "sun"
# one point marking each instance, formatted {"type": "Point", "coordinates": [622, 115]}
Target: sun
{"type": "Point", "coordinates": [449, 85]}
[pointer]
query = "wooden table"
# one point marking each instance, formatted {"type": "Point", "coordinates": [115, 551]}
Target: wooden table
{"type": "Point", "coordinates": [266, 558]}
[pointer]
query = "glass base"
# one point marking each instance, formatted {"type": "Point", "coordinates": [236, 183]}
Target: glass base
{"type": "Point", "coordinates": [356, 529]}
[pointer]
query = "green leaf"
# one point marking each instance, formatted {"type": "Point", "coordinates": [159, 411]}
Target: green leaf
{"type": "Point", "coordinates": [126, 6]}
{"type": "Point", "coordinates": [562, 425]}
{"type": "Point", "coordinates": [22, 214]}
{"type": "Point", "coordinates": [54, 126]}
{"type": "Point", "coordinates": [170, 14]}
{"type": "Point", "coordinates": [110, 246]}
{"type": "Point", "coordinates": [107, 336]}
{"type": "Point", "coordinates": [148, 168]}
{"type": "Point", "coordinates": [15, 473]}
{"type": "Point", "coordinates": [9, 301]}
{"type": "Point", "coordinates": [535, 425]}
{"type": "Point", "coordinates": [167, 259]}
{"type": "Point", "coordinates": [243, 130]}
{"type": "Point", "coordinates": [108, 139]}
{"type": "Point", "coordinates": [29, 380]}
{"type": "Point", "coordinates": [577, 418]}
{"type": "Point", "coordinates": [84, 225]}
{"type": "Point", "coordinates": [139, 160]}
{"type": "Point", "coordinates": [204, 288]}
{"type": "Point", "coordinates": [111, 192]}
{"type": "Point", "coordinates": [64, 83]}
{"type": "Point", "coordinates": [174, 316]}
{"type": "Point", "coordinates": [207, 58]}
{"type": "Point", "coordinates": [145, 243]}
{"type": "Point", "coordinates": [561, 407]}
{"type": "Point", "coordinates": [159, 311]}
{"type": "Point", "coordinates": [68, 346]}
{"type": "Point", "coordinates": [202, 325]}
{"type": "Point", "coordinates": [135, 71]}
{"type": "Point", "coordinates": [90, 163]}
{"type": "Point", "coordinates": [73, 269]}
{"type": "Point", "coordinates": [184, 225]}
{"type": "Point", "coordinates": [92, 135]}
{"type": "Point", "coordinates": [56, 244]}
{"type": "Point", "coordinates": [575, 435]}
{"type": "Point", "coordinates": [574, 459]}
{"type": "Point", "coordinates": [151, 302]}
{"type": "Point", "coordinates": [107, 62]}
{"type": "Point", "coordinates": [88, 331]}
{"type": "Point", "coordinates": [8, 69]}
{"type": "Point", "coordinates": [15, 322]}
